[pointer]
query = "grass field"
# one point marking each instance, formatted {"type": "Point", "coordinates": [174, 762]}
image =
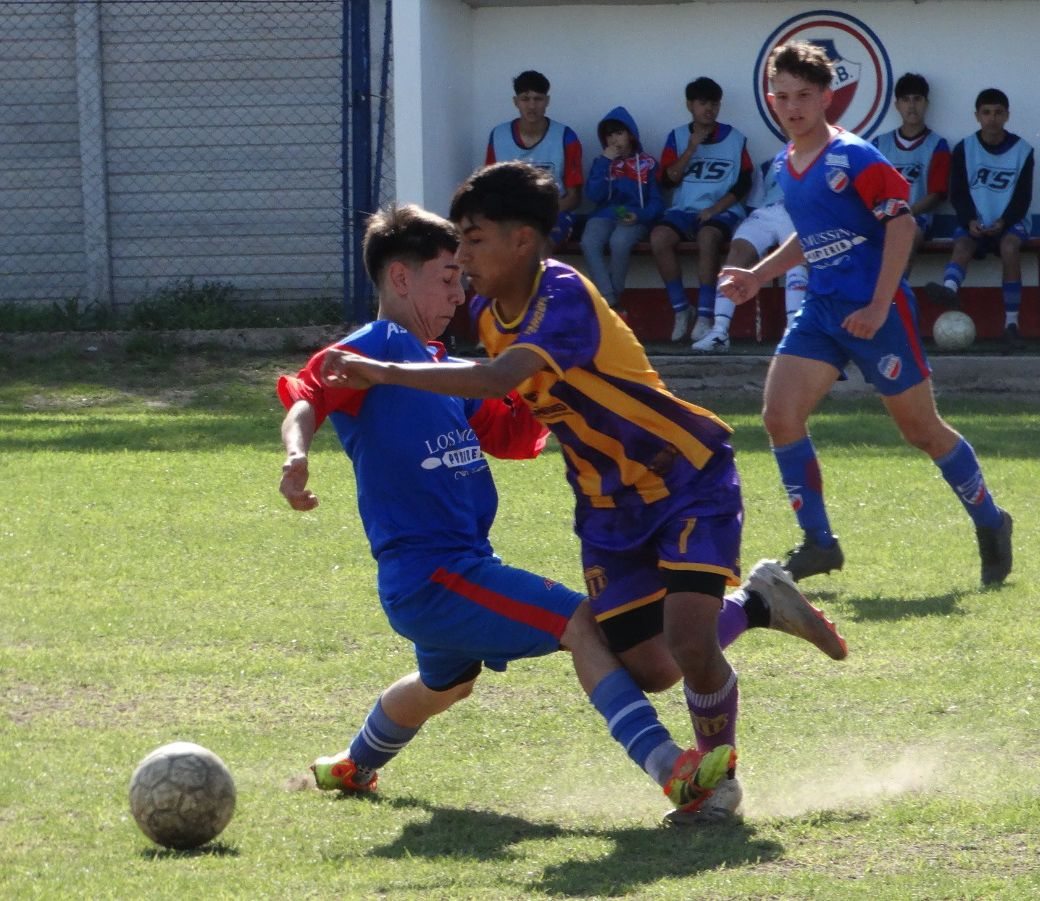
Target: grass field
{"type": "Point", "coordinates": [154, 586]}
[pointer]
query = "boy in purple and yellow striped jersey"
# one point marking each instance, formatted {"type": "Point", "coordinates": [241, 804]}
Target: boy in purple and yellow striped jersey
{"type": "Point", "coordinates": [658, 504]}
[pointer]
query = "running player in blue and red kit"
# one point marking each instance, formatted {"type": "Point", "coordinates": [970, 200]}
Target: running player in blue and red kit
{"type": "Point", "coordinates": [851, 211]}
{"type": "Point", "coordinates": [427, 501]}
{"type": "Point", "coordinates": [543, 142]}
{"type": "Point", "coordinates": [658, 504]}
{"type": "Point", "coordinates": [920, 155]}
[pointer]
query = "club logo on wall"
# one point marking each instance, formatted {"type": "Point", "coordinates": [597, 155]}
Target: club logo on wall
{"type": "Point", "coordinates": [862, 71]}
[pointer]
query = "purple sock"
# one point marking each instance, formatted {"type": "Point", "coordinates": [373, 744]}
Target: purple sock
{"type": "Point", "coordinates": [733, 621]}
{"type": "Point", "coordinates": [714, 715]}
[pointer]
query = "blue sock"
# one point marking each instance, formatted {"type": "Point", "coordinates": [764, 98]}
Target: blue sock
{"type": "Point", "coordinates": [380, 739]}
{"type": "Point", "coordinates": [1012, 301]}
{"type": "Point", "coordinates": [706, 301]}
{"type": "Point", "coordinates": [960, 468]}
{"type": "Point", "coordinates": [953, 276]}
{"type": "Point", "coordinates": [800, 472]}
{"type": "Point", "coordinates": [677, 295]}
{"type": "Point", "coordinates": [631, 718]}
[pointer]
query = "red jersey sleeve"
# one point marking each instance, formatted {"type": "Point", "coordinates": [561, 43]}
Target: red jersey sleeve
{"type": "Point", "coordinates": [572, 174]}
{"type": "Point", "coordinates": [506, 428]}
{"type": "Point", "coordinates": [307, 385]}
{"type": "Point", "coordinates": [939, 170]}
{"type": "Point", "coordinates": [883, 190]}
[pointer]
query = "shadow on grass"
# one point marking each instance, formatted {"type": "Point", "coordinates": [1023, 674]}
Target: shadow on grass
{"type": "Point", "coordinates": [638, 856]}
{"type": "Point", "coordinates": [882, 609]}
{"type": "Point", "coordinates": [213, 849]}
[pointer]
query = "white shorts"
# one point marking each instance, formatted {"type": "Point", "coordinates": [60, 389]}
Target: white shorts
{"type": "Point", "coordinates": [765, 228]}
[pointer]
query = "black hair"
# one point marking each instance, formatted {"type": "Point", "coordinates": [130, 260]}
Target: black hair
{"type": "Point", "coordinates": [609, 126]}
{"type": "Point", "coordinates": [704, 88]}
{"type": "Point", "coordinates": [512, 191]}
{"type": "Point", "coordinates": [912, 83]}
{"type": "Point", "coordinates": [530, 80]}
{"type": "Point", "coordinates": [407, 233]}
{"type": "Point", "coordinates": [992, 96]}
{"type": "Point", "coordinates": [802, 60]}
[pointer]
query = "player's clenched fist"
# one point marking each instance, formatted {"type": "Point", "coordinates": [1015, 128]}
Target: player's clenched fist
{"type": "Point", "coordinates": [738, 285]}
{"type": "Point", "coordinates": [294, 483]}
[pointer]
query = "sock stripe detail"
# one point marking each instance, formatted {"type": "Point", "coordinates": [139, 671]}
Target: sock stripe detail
{"type": "Point", "coordinates": [625, 711]}
{"type": "Point", "coordinates": [698, 700]}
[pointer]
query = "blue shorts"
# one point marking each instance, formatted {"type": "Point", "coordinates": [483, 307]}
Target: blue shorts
{"type": "Point", "coordinates": [892, 361]}
{"type": "Point", "coordinates": [988, 244]}
{"type": "Point", "coordinates": [689, 537]}
{"type": "Point", "coordinates": [924, 222]}
{"type": "Point", "coordinates": [686, 223]}
{"type": "Point", "coordinates": [477, 610]}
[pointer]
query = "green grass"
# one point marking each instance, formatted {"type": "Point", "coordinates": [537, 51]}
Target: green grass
{"type": "Point", "coordinates": [154, 586]}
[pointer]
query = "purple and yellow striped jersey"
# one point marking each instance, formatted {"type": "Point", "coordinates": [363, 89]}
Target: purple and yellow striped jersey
{"type": "Point", "coordinates": [628, 442]}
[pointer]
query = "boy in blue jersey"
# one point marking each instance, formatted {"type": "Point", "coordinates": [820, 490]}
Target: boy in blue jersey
{"type": "Point", "coordinates": [427, 500]}
{"type": "Point", "coordinates": [543, 142]}
{"type": "Point", "coordinates": [658, 506]}
{"type": "Point", "coordinates": [991, 187]}
{"type": "Point", "coordinates": [707, 164]}
{"type": "Point", "coordinates": [623, 183]}
{"type": "Point", "coordinates": [920, 155]}
{"type": "Point", "coordinates": [852, 214]}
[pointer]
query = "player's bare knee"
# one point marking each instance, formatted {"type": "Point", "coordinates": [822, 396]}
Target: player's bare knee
{"type": "Point", "coordinates": [582, 630]}
{"type": "Point", "coordinates": [655, 674]}
{"type": "Point", "coordinates": [663, 240]}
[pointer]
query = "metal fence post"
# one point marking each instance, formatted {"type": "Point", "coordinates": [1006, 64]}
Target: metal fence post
{"type": "Point", "coordinates": [361, 150]}
{"type": "Point", "coordinates": [93, 156]}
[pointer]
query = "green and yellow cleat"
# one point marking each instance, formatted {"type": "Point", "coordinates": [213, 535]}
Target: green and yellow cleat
{"type": "Point", "coordinates": [702, 787]}
{"type": "Point", "coordinates": [340, 773]}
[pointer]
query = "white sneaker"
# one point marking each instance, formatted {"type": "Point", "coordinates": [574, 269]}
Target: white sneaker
{"type": "Point", "coordinates": [682, 324]}
{"type": "Point", "coordinates": [701, 328]}
{"type": "Point", "coordinates": [723, 805]}
{"type": "Point", "coordinates": [712, 343]}
{"type": "Point", "coordinates": [790, 612]}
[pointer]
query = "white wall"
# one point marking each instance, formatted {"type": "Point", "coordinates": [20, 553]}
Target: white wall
{"type": "Point", "coordinates": [643, 55]}
{"type": "Point", "coordinates": [433, 99]}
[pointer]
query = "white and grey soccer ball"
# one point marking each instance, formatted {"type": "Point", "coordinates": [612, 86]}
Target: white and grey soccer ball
{"type": "Point", "coordinates": [182, 795]}
{"type": "Point", "coordinates": [953, 330]}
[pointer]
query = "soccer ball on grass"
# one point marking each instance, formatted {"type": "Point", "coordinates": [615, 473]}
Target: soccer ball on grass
{"type": "Point", "coordinates": [953, 330]}
{"type": "Point", "coordinates": [182, 795]}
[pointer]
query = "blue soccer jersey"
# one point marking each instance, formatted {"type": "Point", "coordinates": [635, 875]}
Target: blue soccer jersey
{"type": "Point", "coordinates": [630, 445]}
{"type": "Point", "coordinates": [839, 206]}
{"type": "Point", "coordinates": [424, 489]}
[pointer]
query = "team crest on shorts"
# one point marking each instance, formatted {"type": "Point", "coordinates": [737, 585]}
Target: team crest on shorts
{"type": "Point", "coordinates": [862, 86]}
{"type": "Point", "coordinates": [890, 365]}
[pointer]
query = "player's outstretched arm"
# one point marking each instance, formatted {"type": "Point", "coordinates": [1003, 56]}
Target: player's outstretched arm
{"type": "Point", "coordinates": [297, 433]}
{"type": "Point", "coordinates": [740, 285]}
{"type": "Point", "coordinates": [459, 378]}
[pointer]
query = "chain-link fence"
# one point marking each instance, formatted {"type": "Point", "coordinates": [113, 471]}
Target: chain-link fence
{"type": "Point", "coordinates": [145, 143]}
